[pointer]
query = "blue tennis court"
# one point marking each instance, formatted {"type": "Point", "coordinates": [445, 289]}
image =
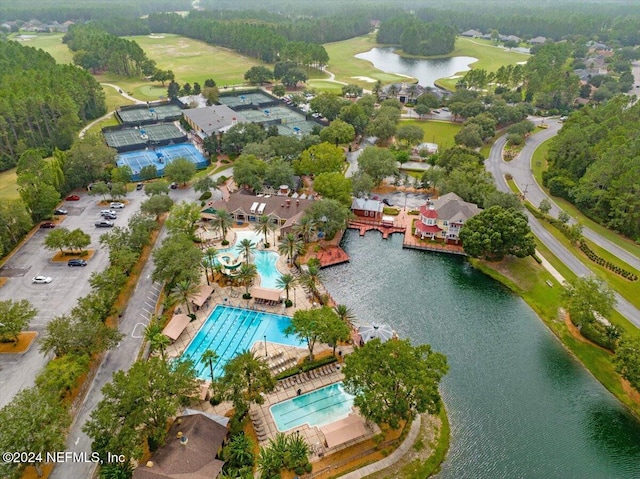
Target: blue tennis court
{"type": "Point", "coordinates": [160, 157]}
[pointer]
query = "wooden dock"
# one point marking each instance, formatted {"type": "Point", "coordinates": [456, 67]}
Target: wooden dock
{"type": "Point", "coordinates": [403, 224]}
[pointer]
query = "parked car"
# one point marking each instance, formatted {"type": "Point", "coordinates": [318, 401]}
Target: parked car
{"type": "Point", "coordinates": [47, 224]}
{"type": "Point", "coordinates": [139, 186]}
{"type": "Point", "coordinates": [110, 216]}
{"type": "Point", "coordinates": [387, 202]}
{"type": "Point", "coordinates": [108, 212]}
{"type": "Point", "coordinates": [76, 262]}
{"type": "Point", "coordinates": [72, 198]}
{"type": "Point", "coordinates": [60, 211]}
{"type": "Point", "coordinates": [41, 280]}
{"type": "Point", "coordinates": [173, 185]}
{"type": "Point", "coordinates": [117, 205]}
{"type": "Point", "coordinates": [104, 224]}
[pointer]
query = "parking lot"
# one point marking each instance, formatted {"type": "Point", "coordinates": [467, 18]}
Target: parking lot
{"type": "Point", "coordinates": [67, 285]}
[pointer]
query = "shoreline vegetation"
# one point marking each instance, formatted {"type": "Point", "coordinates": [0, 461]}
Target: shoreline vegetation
{"type": "Point", "coordinates": [528, 280]}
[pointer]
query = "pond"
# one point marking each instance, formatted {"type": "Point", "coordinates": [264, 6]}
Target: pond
{"type": "Point", "coordinates": [519, 404]}
{"type": "Point", "coordinates": [427, 71]}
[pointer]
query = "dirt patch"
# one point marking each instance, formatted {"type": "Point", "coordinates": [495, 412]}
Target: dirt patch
{"type": "Point", "coordinates": [633, 393]}
{"type": "Point", "coordinates": [575, 332]}
{"type": "Point", "coordinates": [62, 257]}
{"type": "Point", "coordinates": [3, 281]}
{"type": "Point", "coordinates": [25, 340]}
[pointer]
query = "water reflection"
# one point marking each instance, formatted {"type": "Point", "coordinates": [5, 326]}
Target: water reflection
{"type": "Point", "coordinates": [427, 71]}
{"type": "Point", "coordinates": [520, 406]}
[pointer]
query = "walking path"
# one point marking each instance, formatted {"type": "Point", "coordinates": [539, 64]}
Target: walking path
{"type": "Point", "coordinates": [392, 458]}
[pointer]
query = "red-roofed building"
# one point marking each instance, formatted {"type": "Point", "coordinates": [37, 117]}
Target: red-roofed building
{"type": "Point", "coordinates": [442, 219]}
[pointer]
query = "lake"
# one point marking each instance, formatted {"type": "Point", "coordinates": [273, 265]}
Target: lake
{"type": "Point", "coordinates": [427, 71]}
{"type": "Point", "coordinates": [519, 404]}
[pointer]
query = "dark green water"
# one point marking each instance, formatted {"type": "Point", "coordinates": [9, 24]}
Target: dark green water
{"type": "Point", "coordinates": [519, 405]}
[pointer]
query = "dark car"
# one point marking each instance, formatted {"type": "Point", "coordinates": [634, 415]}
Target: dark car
{"type": "Point", "coordinates": [139, 186]}
{"type": "Point", "coordinates": [72, 198]}
{"type": "Point", "coordinates": [387, 202]}
{"type": "Point", "coordinates": [60, 212]}
{"type": "Point", "coordinates": [104, 224]}
{"type": "Point", "coordinates": [76, 262]}
{"type": "Point", "coordinates": [48, 224]}
{"type": "Point", "coordinates": [173, 185]}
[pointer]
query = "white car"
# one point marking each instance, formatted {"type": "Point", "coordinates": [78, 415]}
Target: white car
{"type": "Point", "coordinates": [41, 279]}
{"type": "Point", "coordinates": [108, 212]}
{"type": "Point", "coordinates": [117, 205]}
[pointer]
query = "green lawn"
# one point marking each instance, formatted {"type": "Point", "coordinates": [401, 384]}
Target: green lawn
{"type": "Point", "coordinates": [195, 61]}
{"type": "Point", "coordinates": [627, 289]}
{"type": "Point", "coordinates": [8, 185]}
{"type": "Point", "coordinates": [49, 42]}
{"type": "Point", "coordinates": [325, 85]}
{"type": "Point", "coordinates": [439, 132]}
{"type": "Point", "coordinates": [489, 57]}
{"type": "Point", "coordinates": [539, 165]}
{"type": "Point", "coordinates": [347, 68]}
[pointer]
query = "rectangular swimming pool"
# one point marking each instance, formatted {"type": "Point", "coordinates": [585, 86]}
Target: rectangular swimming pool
{"type": "Point", "coordinates": [229, 330]}
{"type": "Point", "coordinates": [317, 408]}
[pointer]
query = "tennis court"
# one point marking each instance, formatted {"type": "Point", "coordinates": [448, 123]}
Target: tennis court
{"type": "Point", "coordinates": [160, 157]}
{"type": "Point", "coordinates": [245, 100]}
{"type": "Point", "coordinates": [288, 121]}
{"type": "Point", "coordinates": [128, 139]}
{"type": "Point", "coordinates": [140, 115]}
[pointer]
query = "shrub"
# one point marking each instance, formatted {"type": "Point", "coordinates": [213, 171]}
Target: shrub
{"type": "Point", "coordinates": [246, 296]}
{"type": "Point", "coordinates": [596, 332]}
{"type": "Point", "coordinates": [288, 303]}
{"type": "Point", "coordinates": [224, 242]}
{"type": "Point", "coordinates": [205, 196]}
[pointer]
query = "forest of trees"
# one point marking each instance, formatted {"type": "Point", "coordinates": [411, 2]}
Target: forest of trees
{"type": "Point", "coordinates": [253, 40]}
{"type": "Point", "coordinates": [594, 162]}
{"type": "Point", "coordinates": [95, 49]}
{"type": "Point", "coordinates": [42, 104]}
{"type": "Point", "coordinates": [417, 37]}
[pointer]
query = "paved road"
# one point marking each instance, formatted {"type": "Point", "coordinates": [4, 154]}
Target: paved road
{"type": "Point", "coordinates": [132, 324]}
{"type": "Point", "coordinates": [498, 168]}
{"type": "Point", "coordinates": [58, 297]}
{"type": "Point", "coordinates": [520, 169]}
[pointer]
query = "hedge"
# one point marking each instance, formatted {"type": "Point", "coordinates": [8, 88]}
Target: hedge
{"type": "Point", "coordinates": [607, 264]}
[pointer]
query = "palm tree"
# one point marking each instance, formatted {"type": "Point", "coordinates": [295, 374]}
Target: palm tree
{"type": "Point", "coordinates": [222, 221]}
{"type": "Point", "coordinates": [246, 247]}
{"type": "Point", "coordinates": [344, 313]}
{"type": "Point", "coordinates": [290, 246]}
{"type": "Point", "coordinates": [246, 275]}
{"type": "Point", "coordinates": [305, 228]}
{"type": "Point", "coordinates": [297, 452]}
{"type": "Point", "coordinates": [264, 226]}
{"type": "Point", "coordinates": [159, 342]}
{"type": "Point", "coordinates": [377, 88]}
{"type": "Point", "coordinates": [210, 256]}
{"type": "Point", "coordinates": [210, 357]}
{"type": "Point", "coordinates": [184, 290]}
{"type": "Point", "coordinates": [286, 282]}
{"type": "Point", "coordinates": [311, 278]}
{"type": "Point", "coordinates": [239, 451]}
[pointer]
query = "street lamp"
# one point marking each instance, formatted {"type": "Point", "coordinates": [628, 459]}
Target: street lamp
{"type": "Point", "coordinates": [265, 346]}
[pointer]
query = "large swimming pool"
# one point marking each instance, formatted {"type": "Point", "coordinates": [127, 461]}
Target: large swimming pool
{"type": "Point", "coordinates": [317, 408]}
{"type": "Point", "coordinates": [229, 330]}
{"type": "Point", "coordinates": [265, 261]}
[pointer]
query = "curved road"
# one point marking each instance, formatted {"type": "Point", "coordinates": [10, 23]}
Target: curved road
{"type": "Point", "coordinates": [520, 169]}
{"type": "Point", "coordinates": [498, 168]}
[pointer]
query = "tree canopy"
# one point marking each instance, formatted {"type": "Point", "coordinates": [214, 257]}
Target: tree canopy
{"type": "Point", "coordinates": [386, 390]}
{"type": "Point", "coordinates": [497, 232]}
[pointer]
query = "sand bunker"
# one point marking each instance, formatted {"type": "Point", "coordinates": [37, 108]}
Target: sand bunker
{"type": "Point", "coordinates": [367, 79]}
{"type": "Point", "coordinates": [156, 36]}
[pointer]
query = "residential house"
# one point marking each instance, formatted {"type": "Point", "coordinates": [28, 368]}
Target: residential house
{"type": "Point", "coordinates": [368, 209]}
{"type": "Point", "coordinates": [405, 93]}
{"type": "Point", "coordinates": [442, 219]}
{"type": "Point", "coordinates": [538, 41]}
{"type": "Point", "coordinates": [190, 452]}
{"type": "Point", "coordinates": [471, 34]}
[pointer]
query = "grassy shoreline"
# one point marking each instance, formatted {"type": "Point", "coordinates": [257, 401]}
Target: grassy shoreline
{"type": "Point", "coordinates": [525, 278]}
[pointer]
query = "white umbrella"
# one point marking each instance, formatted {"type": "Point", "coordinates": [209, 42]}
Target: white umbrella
{"type": "Point", "coordinates": [372, 331]}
